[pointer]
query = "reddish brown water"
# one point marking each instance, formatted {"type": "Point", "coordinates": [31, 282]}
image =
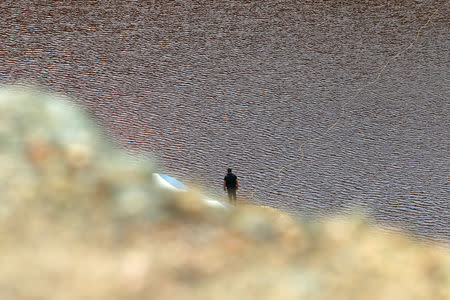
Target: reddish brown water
{"type": "Point", "coordinates": [317, 106]}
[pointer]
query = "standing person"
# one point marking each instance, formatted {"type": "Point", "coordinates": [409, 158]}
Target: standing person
{"type": "Point", "coordinates": [230, 184]}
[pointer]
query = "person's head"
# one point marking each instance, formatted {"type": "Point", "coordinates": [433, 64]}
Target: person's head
{"type": "Point", "coordinates": [229, 170]}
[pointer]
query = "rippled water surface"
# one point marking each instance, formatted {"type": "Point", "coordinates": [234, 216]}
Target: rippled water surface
{"type": "Point", "coordinates": [317, 105]}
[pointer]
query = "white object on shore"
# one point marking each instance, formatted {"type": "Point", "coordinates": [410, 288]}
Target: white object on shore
{"type": "Point", "coordinates": [170, 183]}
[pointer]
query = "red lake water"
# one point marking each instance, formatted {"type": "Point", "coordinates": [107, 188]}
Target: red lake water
{"type": "Point", "coordinates": [317, 106]}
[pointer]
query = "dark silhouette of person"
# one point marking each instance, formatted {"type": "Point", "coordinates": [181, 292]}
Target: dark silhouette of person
{"type": "Point", "coordinates": [231, 185]}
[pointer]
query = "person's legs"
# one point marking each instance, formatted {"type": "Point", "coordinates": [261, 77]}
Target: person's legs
{"type": "Point", "coordinates": [230, 195]}
{"type": "Point", "coordinates": [233, 195]}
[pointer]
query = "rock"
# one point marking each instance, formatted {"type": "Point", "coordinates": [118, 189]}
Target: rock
{"type": "Point", "coordinates": [80, 219]}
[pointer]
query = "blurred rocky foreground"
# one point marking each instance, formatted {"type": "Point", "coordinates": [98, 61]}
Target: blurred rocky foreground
{"type": "Point", "coordinates": [79, 219]}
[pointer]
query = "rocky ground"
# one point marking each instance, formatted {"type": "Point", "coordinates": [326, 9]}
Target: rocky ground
{"type": "Point", "coordinates": [79, 219]}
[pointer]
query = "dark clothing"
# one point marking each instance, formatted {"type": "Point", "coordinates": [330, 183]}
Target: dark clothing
{"type": "Point", "coordinates": [231, 185]}
{"type": "Point", "coordinates": [230, 180]}
{"type": "Point", "coordinates": [231, 195]}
